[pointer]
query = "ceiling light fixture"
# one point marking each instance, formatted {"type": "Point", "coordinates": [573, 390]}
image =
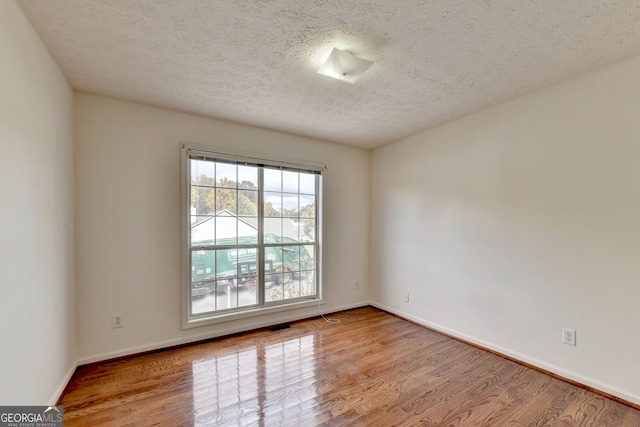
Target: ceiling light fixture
{"type": "Point", "coordinates": [344, 66]}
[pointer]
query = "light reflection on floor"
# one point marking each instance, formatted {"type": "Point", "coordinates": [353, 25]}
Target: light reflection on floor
{"type": "Point", "coordinates": [260, 385]}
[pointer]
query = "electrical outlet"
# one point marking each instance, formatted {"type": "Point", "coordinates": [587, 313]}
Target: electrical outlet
{"type": "Point", "coordinates": [117, 321]}
{"type": "Point", "coordinates": [569, 336]}
{"type": "Point", "coordinates": [357, 285]}
{"type": "Point", "coordinates": [406, 297]}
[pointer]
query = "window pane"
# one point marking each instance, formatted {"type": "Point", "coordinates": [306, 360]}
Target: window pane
{"type": "Point", "coordinates": [307, 258]}
{"type": "Point", "coordinates": [272, 230]}
{"type": "Point", "coordinates": [202, 200]}
{"type": "Point", "coordinates": [269, 272]}
{"type": "Point", "coordinates": [272, 204]}
{"type": "Point", "coordinates": [289, 230]}
{"type": "Point", "coordinates": [229, 279]}
{"type": "Point", "coordinates": [248, 203]}
{"type": "Point", "coordinates": [307, 271]}
{"type": "Point", "coordinates": [273, 256]}
{"type": "Point", "coordinates": [203, 281]}
{"type": "Point", "coordinates": [292, 289]}
{"type": "Point", "coordinates": [290, 182]}
{"type": "Point", "coordinates": [247, 177]}
{"type": "Point", "coordinates": [294, 272]}
{"type": "Point", "coordinates": [203, 172]}
{"type": "Point", "coordinates": [275, 292]}
{"type": "Point", "coordinates": [291, 259]}
{"type": "Point", "coordinates": [226, 230]}
{"type": "Point", "coordinates": [308, 284]}
{"type": "Point", "coordinates": [272, 179]}
{"type": "Point", "coordinates": [307, 183]}
{"type": "Point", "coordinates": [203, 229]}
{"type": "Point", "coordinates": [290, 205]}
{"type": "Point", "coordinates": [247, 230]}
{"type": "Point", "coordinates": [226, 175]}
{"type": "Point", "coordinates": [222, 279]}
{"type": "Point", "coordinates": [307, 206]}
{"type": "Point", "coordinates": [307, 228]}
{"type": "Point", "coordinates": [273, 273]}
{"type": "Point", "coordinates": [226, 200]}
{"type": "Point", "coordinates": [246, 260]}
{"type": "Point", "coordinates": [226, 265]}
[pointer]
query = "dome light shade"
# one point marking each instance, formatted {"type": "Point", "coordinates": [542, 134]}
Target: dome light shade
{"type": "Point", "coordinates": [344, 66]}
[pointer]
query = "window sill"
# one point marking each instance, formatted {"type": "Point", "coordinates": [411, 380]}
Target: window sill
{"type": "Point", "coordinates": [262, 311]}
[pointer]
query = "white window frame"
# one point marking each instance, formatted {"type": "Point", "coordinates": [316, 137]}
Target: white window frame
{"type": "Point", "coordinates": [187, 151]}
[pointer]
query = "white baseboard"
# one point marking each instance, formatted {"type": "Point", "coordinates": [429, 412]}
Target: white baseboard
{"type": "Point", "coordinates": [498, 349]}
{"type": "Point", "coordinates": [561, 372]}
{"type": "Point", "coordinates": [258, 324]}
{"type": "Point", "coordinates": [63, 384]}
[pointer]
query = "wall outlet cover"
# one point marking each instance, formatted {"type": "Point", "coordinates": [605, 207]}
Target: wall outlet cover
{"type": "Point", "coordinates": [569, 336]}
{"type": "Point", "coordinates": [117, 321]}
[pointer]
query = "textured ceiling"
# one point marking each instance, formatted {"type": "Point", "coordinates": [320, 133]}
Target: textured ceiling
{"type": "Point", "coordinates": [255, 61]}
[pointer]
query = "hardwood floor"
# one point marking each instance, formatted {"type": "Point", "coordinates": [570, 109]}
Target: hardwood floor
{"type": "Point", "coordinates": [371, 369]}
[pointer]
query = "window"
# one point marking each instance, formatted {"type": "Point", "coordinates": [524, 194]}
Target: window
{"type": "Point", "coordinates": [251, 229]}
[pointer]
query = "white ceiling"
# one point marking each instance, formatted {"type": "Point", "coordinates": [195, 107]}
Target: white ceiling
{"type": "Point", "coordinates": [255, 61]}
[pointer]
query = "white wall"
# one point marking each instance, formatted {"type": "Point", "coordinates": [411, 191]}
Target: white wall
{"type": "Point", "coordinates": [128, 228]}
{"type": "Point", "coordinates": [510, 224]}
{"type": "Point", "coordinates": [504, 226]}
{"type": "Point", "coordinates": [37, 305]}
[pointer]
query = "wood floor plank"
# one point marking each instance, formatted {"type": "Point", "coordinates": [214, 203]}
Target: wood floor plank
{"type": "Point", "coordinates": [372, 369]}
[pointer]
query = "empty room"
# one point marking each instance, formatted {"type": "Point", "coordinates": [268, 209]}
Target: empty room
{"type": "Point", "coordinates": [287, 212]}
